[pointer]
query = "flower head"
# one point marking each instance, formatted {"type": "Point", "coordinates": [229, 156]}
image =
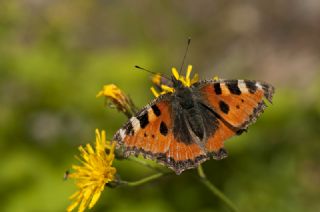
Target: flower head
{"type": "Point", "coordinates": [117, 98]}
{"type": "Point", "coordinates": [94, 173]}
{"type": "Point", "coordinates": [166, 87]}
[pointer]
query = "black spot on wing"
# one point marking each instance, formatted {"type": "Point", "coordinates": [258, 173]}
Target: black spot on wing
{"type": "Point", "coordinates": [233, 87]}
{"type": "Point", "coordinates": [251, 86]}
{"type": "Point", "coordinates": [156, 110]}
{"type": "Point", "coordinates": [143, 120]}
{"type": "Point", "coordinates": [163, 129]}
{"type": "Point", "coordinates": [240, 131]}
{"type": "Point", "coordinates": [224, 107]}
{"type": "Point", "coordinates": [217, 88]}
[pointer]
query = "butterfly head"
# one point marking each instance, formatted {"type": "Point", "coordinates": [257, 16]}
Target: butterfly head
{"type": "Point", "coordinates": [176, 83]}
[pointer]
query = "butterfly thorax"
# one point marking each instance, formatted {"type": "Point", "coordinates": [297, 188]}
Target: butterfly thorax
{"type": "Point", "coordinates": [183, 95]}
{"type": "Point", "coordinates": [188, 123]}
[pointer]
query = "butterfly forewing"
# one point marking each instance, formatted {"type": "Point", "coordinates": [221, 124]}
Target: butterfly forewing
{"type": "Point", "coordinates": [237, 102]}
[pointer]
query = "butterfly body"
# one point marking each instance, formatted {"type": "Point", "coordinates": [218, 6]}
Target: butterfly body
{"type": "Point", "coordinates": [189, 126]}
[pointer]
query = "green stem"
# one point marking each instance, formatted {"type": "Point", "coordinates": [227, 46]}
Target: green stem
{"type": "Point", "coordinates": [215, 190]}
{"type": "Point", "coordinates": [144, 180]}
{"type": "Point", "coordinates": [146, 164]}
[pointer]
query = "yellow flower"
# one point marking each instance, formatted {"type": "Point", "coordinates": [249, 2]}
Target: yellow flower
{"type": "Point", "coordinates": [94, 173]}
{"type": "Point", "coordinates": [118, 99]}
{"type": "Point", "coordinates": [186, 81]}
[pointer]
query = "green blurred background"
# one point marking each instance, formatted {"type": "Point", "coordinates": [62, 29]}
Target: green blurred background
{"type": "Point", "coordinates": [56, 55]}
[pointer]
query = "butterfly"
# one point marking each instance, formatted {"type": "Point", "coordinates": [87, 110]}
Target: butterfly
{"type": "Point", "coordinates": [183, 128]}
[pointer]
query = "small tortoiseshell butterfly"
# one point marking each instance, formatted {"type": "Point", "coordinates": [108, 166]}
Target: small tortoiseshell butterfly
{"type": "Point", "coordinates": [184, 128]}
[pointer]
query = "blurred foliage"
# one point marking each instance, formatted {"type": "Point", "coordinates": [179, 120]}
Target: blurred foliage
{"type": "Point", "coordinates": [56, 55]}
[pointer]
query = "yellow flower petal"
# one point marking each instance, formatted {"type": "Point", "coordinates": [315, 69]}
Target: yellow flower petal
{"type": "Point", "coordinates": [94, 173]}
{"type": "Point", "coordinates": [94, 199]}
{"type": "Point", "coordinates": [186, 81]}
{"type": "Point", "coordinates": [74, 195]}
{"type": "Point", "coordinates": [195, 79]}
{"type": "Point", "coordinates": [72, 206]}
{"type": "Point", "coordinates": [188, 75]}
{"type": "Point", "coordinates": [109, 90]}
{"type": "Point", "coordinates": [175, 73]}
{"type": "Point", "coordinates": [83, 153]}
{"type": "Point", "coordinates": [167, 88]}
{"type": "Point", "coordinates": [154, 92]}
{"type": "Point", "coordinates": [89, 149]}
{"type": "Point", "coordinates": [156, 79]}
{"type": "Point", "coordinates": [83, 205]}
{"type": "Point", "coordinates": [118, 99]}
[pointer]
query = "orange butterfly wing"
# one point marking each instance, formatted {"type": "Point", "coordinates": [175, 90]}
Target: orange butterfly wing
{"type": "Point", "coordinates": [236, 103]}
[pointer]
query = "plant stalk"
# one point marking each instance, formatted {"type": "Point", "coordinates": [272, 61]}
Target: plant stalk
{"type": "Point", "coordinates": [215, 190]}
{"type": "Point", "coordinates": [143, 180]}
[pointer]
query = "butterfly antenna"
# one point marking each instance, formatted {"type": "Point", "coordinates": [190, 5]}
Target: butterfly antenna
{"type": "Point", "coordinates": [151, 72]}
{"type": "Point", "coordinates": [185, 54]}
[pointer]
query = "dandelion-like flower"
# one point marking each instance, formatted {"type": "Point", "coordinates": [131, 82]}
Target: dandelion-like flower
{"type": "Point", "coordinates": [167, 88]}
{"type": "Point", "coordinates": [94, 173]}
{"type": "Point", "coordinates": [118, 99]}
